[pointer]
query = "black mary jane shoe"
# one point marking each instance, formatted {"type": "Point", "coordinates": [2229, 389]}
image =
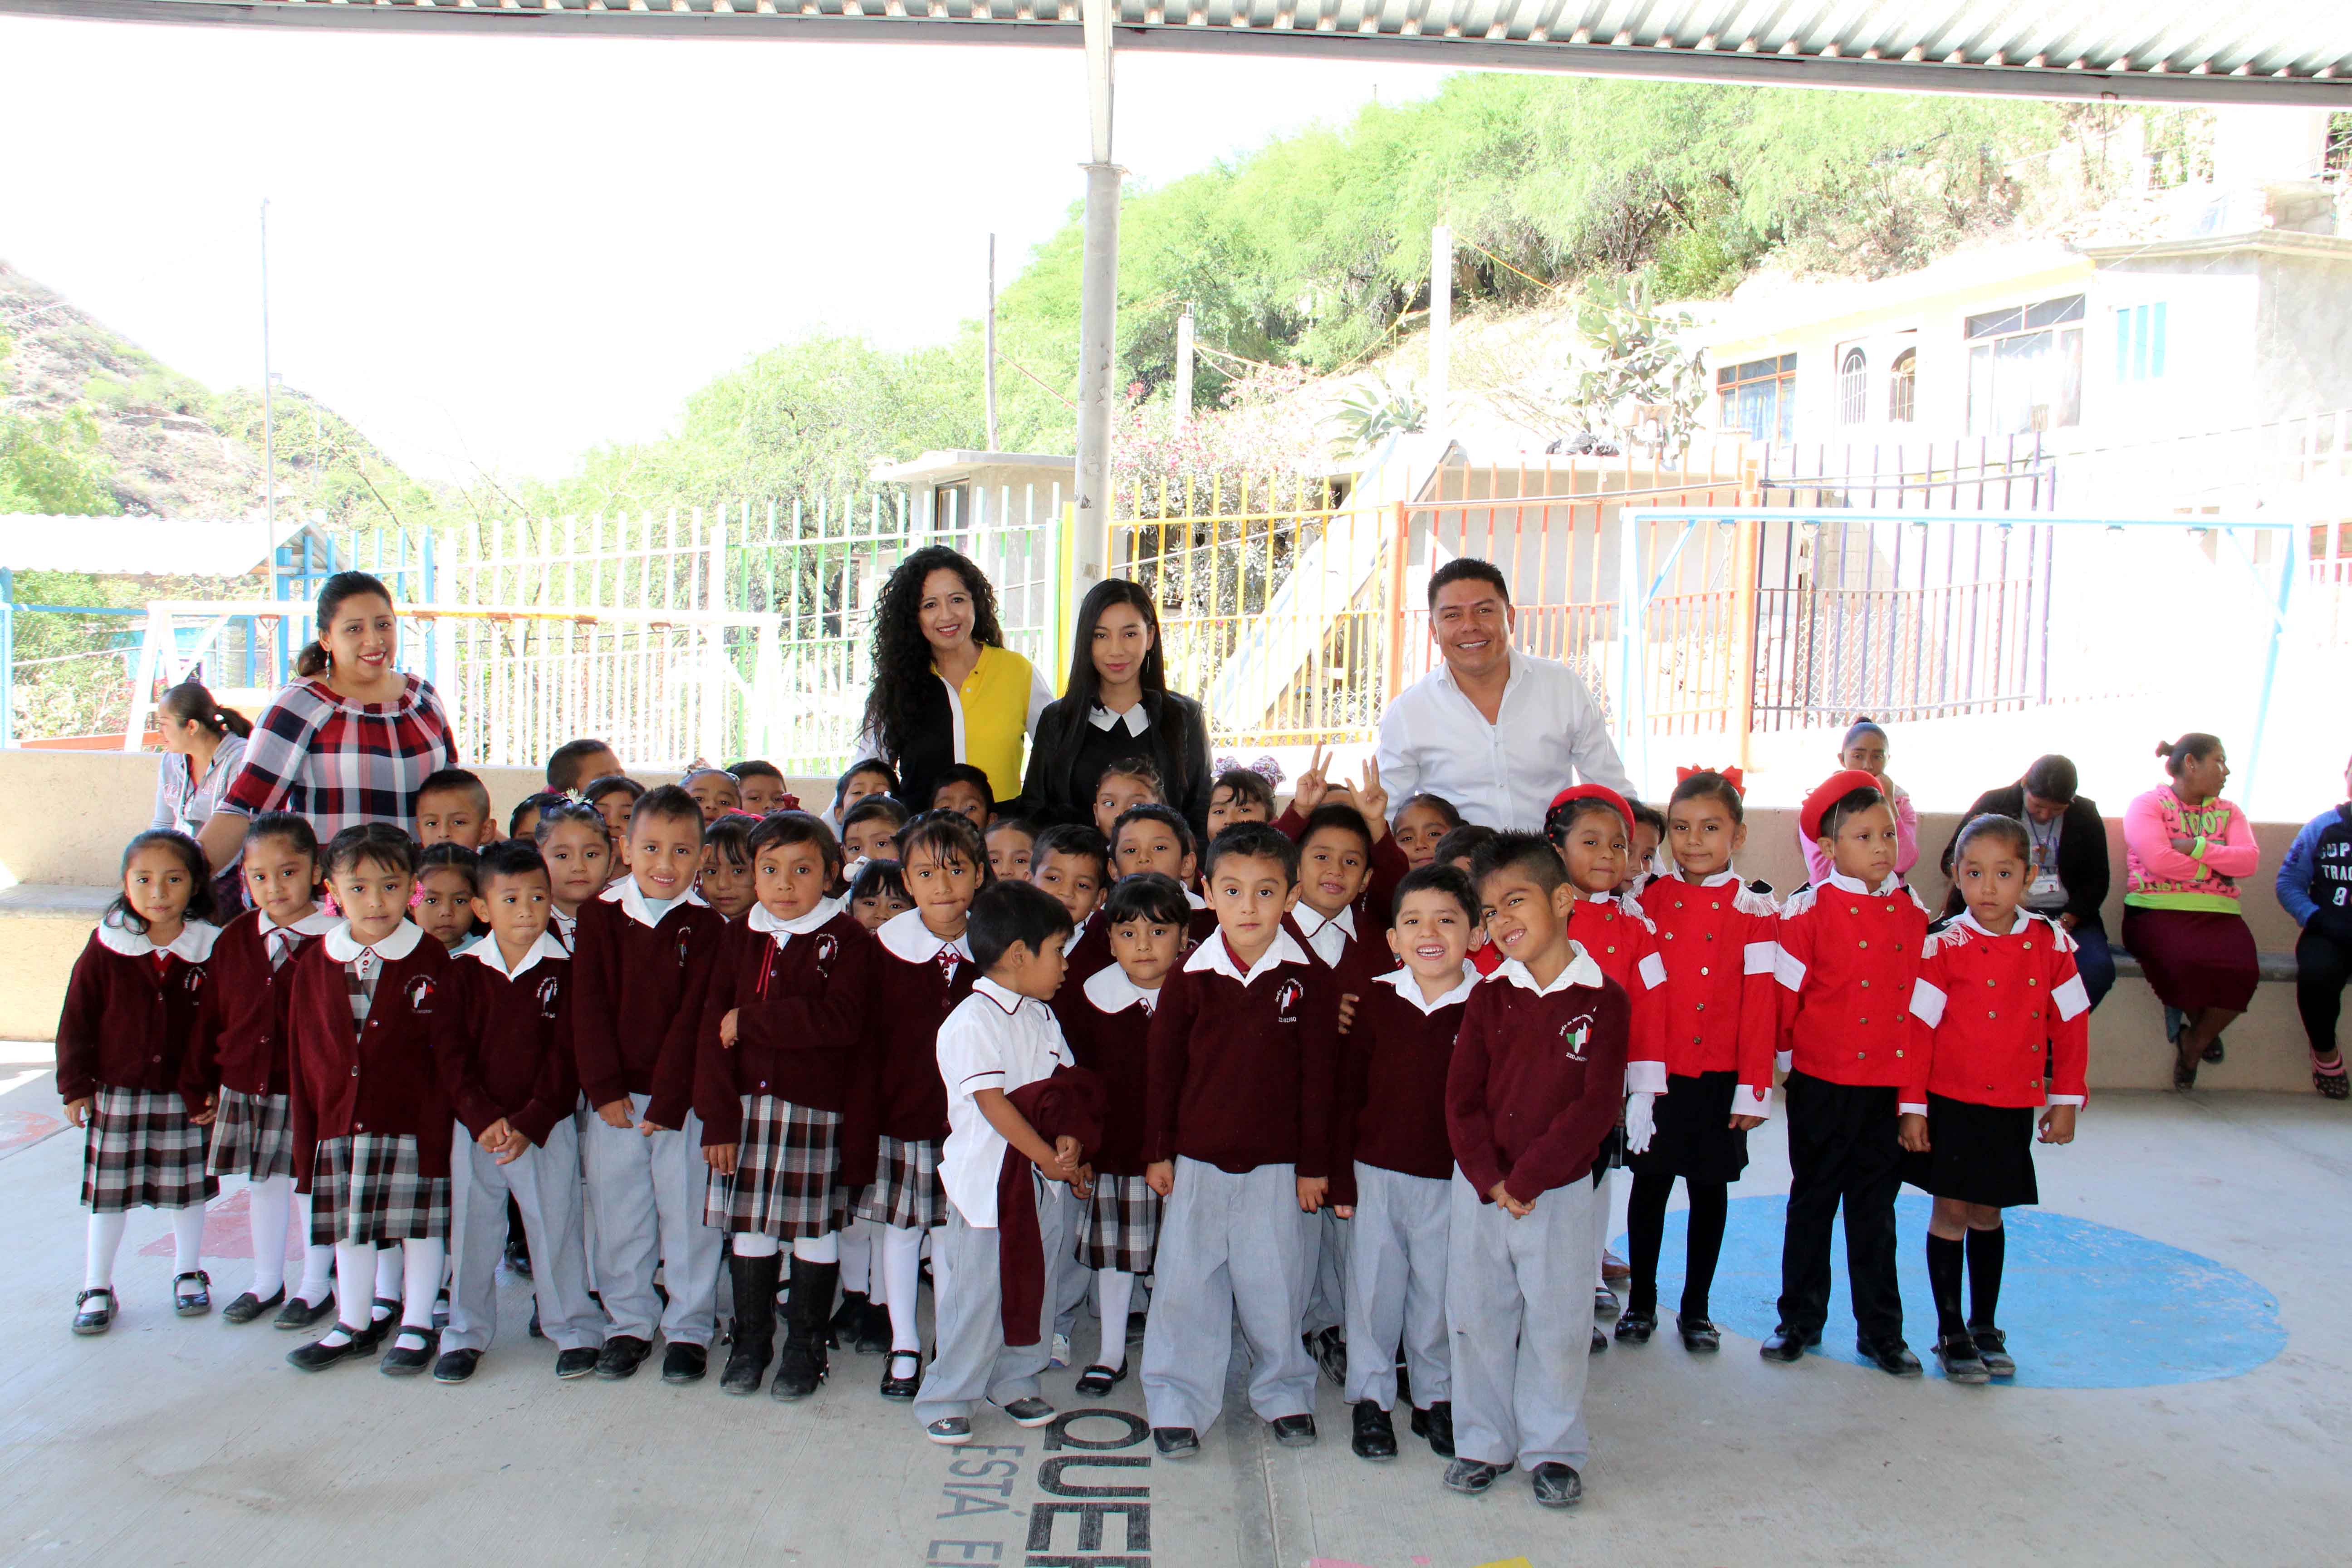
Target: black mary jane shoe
{"type": "Point", "coordinates": [1176, 1442]}
{"type": "Point", "coordinates": [1636, 1327]}
{"type": "Point", "coordinates": [1098, 1380]}
{"type": "Point", "coordinates": [1962, 1361]}
{"type": "Point", "coordinates": [89, 1319]}
{"type": "Point", "coordinates": [1557, 1485]}
{"type": "Point", "coordinates": [1374, 1437]}
{"type": "Point", "coordinates": [897, 1387]}
{"type": "Point", "coordinates": [1435, 1423]}
{"type": "Point", "coordinates": [320, 1355]}
{"type": "Point", "coordinates": [1471, 1477]}
{"type": "Point", "coordinates": [1892, 1357]}
{"type": "Point", "coordinates": [1293, 1431]}
{"type": "Point", "coordinates": [401, 1361]}
{"type": "Point", "coordinates": [1700, 1336]}
{"type": "Point", "coordinates": [1992, 1349]}
{"type": "Point", "coordinates": [2213, 1052]}
{"type": "Point", "coordinates": [299, 1314]}
{"type": "Point", "coordinates": [192, 1303]}
{"type": "Point", "coordinates": [1784, 1344]}
{"type": "Point", "coordinates": [248, 1306]}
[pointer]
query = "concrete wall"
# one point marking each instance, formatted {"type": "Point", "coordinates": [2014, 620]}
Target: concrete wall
{"type": "Point", "coordinates": [66, 859]}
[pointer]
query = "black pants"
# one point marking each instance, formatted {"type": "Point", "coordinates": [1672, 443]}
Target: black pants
{"type": "Point", "coordinates": [2321, 965]}
{"type": "Point", "coordinates": [1842, 1148]}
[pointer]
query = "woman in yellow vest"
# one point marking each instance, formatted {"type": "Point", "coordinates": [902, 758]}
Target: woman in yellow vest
{"type": "Point", "coordinates": [946, 689]}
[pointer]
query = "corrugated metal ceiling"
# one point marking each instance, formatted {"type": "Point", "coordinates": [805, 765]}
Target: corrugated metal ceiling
{"type": "Point", "coordinates": [2286, 51]}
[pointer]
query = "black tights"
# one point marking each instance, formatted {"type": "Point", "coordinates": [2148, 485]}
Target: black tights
{"type": "Point", "coordinates": [1645, 1223]}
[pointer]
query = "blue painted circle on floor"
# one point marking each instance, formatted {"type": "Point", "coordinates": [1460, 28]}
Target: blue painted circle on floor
{"type": "Point", "coordinates": [2085, 1305]}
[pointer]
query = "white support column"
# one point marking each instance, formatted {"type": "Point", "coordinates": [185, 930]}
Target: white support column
{"type": "Point", "coordinates": [1097, 314]}
{"type": "Point", "coordinates": [1441, 323]}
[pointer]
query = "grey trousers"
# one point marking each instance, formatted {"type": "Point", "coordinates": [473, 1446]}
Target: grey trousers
{"type": "Point", "coordinates": [1069, 1279]}
{"type": "Point", "coordinates": [1326, 1300]}
{"type": "Point", "coordinates": [1230, 1245]}
{"type": "Point", "coordinates": [970, 1360]}
{"type": "Point", "coordinates": [1518, 1299]}
{"type": "Point", "coordinates": [648, 1195]}
{"type": "Point", "coordinates": [1396, 1286]}
{"type": "Point", "coordinates": [545, 1184]}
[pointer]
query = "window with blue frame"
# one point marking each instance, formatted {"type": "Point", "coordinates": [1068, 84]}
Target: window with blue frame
{"type": "Point", "coordinates": [2139, 343]}
{"type": "Point", "coordinates": [1759, 397]}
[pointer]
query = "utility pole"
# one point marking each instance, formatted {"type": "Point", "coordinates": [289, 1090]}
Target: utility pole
{"type": "Point", "coordinates": [1097, 313]}
{"type": "Point", "coordinates": [268, 429]}
{"type": "Point", "coordinates": [1441, 323]}
{"type": "Point", "coordinates": [1184, 365]}
{"type": "Point", "coordinates": [988, 375]}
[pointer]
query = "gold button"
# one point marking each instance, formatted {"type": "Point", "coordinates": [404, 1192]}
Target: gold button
{"type": "Point", "coordinates": [1862, 943]}
{"type": "Point", "coordinates": [1716, 905]}
{"type": "Point", "coordinates": [1865, 986]}
{"type": "Point", "coordinates": [1865, 1020]}
{"type": "Point", "coordinates": [1701, 969]}
{"type": "Point", "coordinates": [1989, 982]}
{"type": "Point", "coordinates": [1701, 1007]}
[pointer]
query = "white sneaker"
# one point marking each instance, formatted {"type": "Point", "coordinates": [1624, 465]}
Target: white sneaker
{"type": "Point", "coordinates": [1061, 1356]}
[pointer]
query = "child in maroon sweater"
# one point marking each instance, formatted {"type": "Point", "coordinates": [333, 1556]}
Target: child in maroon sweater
{"type": "Point", "coordinates": [642, 955]}
{"type": "Point", "coordinates": [1535, 1088]}
{"type": "Point", "coordinates": [127, 1061]}
{"type": "Point", "coordinates": [780, 1032]}
{"type": "Point", "coordinates": [1237, 1139]}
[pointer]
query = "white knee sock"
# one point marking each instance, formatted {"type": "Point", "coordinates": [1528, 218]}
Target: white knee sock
{"type": "Point", "coordinates": [421, 1269]}
{"type": "Point", "coordinates": [316, 1260]}
{"type": "Point", "coordinates": [857, 1245]}
{"type": "Point", "coordinates": [752, 1243]}
{"type": "Point", "coordinates": [1117, 1288]}
{"type": "Point", "coordinates": [187, 1238]}
{"type": "Point", "coordinates": [825, 1248]}
{"type": "Point", "coordinates": [354, 1279]}
{"type": "Point", "coordinates": [269, 1206]}
{"type": "Point", "coordinates": [388, 1272]}
{"type": "Point", "coordinates": [902, 1273]}
{"type": "Point", "coordinates": [105, 1241]}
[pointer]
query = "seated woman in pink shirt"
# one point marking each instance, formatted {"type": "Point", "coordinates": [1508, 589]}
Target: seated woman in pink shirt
{"type": "Point", "coordinates": [1865, 747]}
{"type": "Point", "coordinates": [2186, 850]}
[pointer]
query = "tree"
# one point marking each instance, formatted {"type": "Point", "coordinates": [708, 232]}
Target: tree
{"type": "Point", "coordinates": [1641, 384]}
{"type": "Point", "coordinates": [50, 464]}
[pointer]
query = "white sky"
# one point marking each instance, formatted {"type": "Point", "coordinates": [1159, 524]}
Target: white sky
{"type": "Point", "coordinates": [502, 252]}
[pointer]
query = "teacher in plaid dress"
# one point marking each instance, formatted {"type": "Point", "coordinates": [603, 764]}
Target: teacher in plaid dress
{"type": "Point", "coordinates": [349, 741]}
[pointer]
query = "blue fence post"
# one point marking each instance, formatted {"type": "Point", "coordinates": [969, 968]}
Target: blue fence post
{"type": "Point", "coordinates": [7, 657]}
{"type": "Point", "coordinates": [432, 644]}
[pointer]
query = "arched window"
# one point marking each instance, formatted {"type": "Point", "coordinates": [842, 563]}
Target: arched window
{"type": "Point", "coordinates": [1853, 380]}
{"type": "Point", "coordinates": [1902, 388]}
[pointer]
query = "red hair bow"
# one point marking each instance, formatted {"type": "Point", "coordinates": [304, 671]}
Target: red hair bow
{"type": "Point", "coordinates": [1731, 776]}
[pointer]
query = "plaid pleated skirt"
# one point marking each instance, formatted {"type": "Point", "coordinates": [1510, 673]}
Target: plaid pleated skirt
{"type": "Point", "coordinates": [1120, 1226]}
{"type": "Point", "coordinates": [907, 1190]}
{"type": "Point", "coordinates": [785, 1160]}
{"type": "Point", "coordinates": [253, 1136]}
{"type": "Point", "coordinates": [367, 1188]}
{"type": "Point", "coordinates": [140, 1151]}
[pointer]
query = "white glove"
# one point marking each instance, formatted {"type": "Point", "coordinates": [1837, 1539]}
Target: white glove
{"type": "Point", "coordinates": [1641, 1122]}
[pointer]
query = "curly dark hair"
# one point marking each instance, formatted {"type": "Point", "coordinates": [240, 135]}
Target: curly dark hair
{"type": "Point", "coordinates": [902, 659]}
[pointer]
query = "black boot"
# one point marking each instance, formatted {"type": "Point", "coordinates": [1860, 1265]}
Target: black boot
{"type": "Point", "coordinates": [753, 1341]}
{"type": "Point", "coordinates": [802, 1365]}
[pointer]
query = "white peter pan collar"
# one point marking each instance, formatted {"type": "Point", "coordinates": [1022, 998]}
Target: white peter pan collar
{"type": "Point", "coordinates": [760, 920]}
{"type": "Point", "coordinates": [192, 945]}
{"type": "Point", "coordinates": [486, 951]}
{"type": "Point", "coordinates": [1135, 719]}
{"type": "Point", "coordinates": [1312, 920]}
{"type": "Point", "coordinates": [343, 948]}
{"type": "Point", "coordinates": [1111, 991]}
{"type": "Point", "coordinates": [1403, 983]}
{"type": "Point", "coordinates": [1581, 971]}
{"type": "Point", "coordinates": [905, 935]}
{"type": "Point", "coordinates": [318, 922]}
{"type": "Point", "coordinates": [633, 903]}
{"type": "Point", "coordinates": [1214, 957]}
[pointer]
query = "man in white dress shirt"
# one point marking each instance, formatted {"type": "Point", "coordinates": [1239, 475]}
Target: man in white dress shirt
{"type": "Point", "coordinates": [1497, 731]}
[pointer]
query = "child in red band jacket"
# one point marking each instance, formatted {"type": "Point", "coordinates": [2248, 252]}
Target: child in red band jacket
{"type": "Point", "coordinates": [1849, 952]}
{"type": "Point", "coordinates": [1998, 1003]}
{"type": "Point", "coordinates": [1718, 939]}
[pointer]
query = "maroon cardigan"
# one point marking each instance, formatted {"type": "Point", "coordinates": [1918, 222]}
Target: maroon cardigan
{"type": "Point", "coordinates": [383, 1079]}
{"type": "Point", "coordinates": [640, 1003]}
{"type": "Point", "coordinates": [1537, 1082]}
{"type": "Point", "coordinates": [800, 1011]}
{"type": "Point", "coordinates": [509, 1051]}
{"type": "Point", "coordinates": [127, 1025]}
{"type": "Point", "coordinates": [245, 1035]}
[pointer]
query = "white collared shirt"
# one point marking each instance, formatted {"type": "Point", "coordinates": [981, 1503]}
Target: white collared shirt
{"type": "Point", "coordinates": [1110, 991]}
{"type": "Point", "coordinates": [318, 922]}
{"type": "Point", "coordinates": [1548, 733]}
{"type": "Point", "coordinates": [192, 945]}
{"type": "Point", "coordinates": [1327, 936]}
{"type": "Point", "coordinates": [1581, 970]}
{"type": "Point", "coordinates": [904, 935]}
{"type": "Point", "coordinates": [345, 948]}
{"type": "Point", "coordinates": [563, 925]}
{"type": "Point", "coordinates": [1135, 719]}
{"type": "Point", "coordinates": [486, 951]}
{"type": "Point", "coordinates": [997, 1039]}
{"type": "Point", "coordinates": [1407, 985]}
{"type": "Point", "coordinates": [1214, 957]}
{"type": "Point", "coordinates": [639, 908]}
{"type": "Point", "coordinates": [760, 920]}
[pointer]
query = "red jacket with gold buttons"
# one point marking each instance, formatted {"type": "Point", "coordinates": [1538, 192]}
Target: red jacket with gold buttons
{"type": "Point", "coordinates": [1719, 940]}
{"type": "Point", "coordinates": [1622, 941]}
{"type": "Point", "coordinates": [1990, 1013]}
{"type": "Point", "coordinates": [1847, 959]}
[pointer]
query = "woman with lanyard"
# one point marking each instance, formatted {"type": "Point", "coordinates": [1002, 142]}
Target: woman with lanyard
{"type": "Point", "coordinates": [946, 689]}
{"type": "Point", "coordinates": [2070, 872]}
{"type": "Point", "coordinates": [1116, 707]}
{"type": "Point", "coordinates": [349, 740]}
{"type": "Point", "coordinates": [2186, 852]}
{"type": "Point", "coordinates": [204, 751]}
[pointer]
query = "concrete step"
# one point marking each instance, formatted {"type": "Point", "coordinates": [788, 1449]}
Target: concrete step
{"type": "Point", "coordinates": [43, 927]}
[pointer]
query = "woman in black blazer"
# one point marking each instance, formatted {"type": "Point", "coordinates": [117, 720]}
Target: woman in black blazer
{"type": "Point", "coordinates": [2071, 877]}
{"type": "Point", "coordinates": [1117, 705]}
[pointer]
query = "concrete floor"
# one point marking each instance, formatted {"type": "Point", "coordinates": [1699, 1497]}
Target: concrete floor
{"type": "Point", "coordinates": [171, 1441]}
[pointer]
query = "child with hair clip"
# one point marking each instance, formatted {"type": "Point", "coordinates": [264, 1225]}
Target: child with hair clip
{"type": "Point", "coordinates": [371, 1122]}
{"type": "Point", "coordinates": [891, 1144]}
{"type": "Point", "coordinates": [523, 821]}
{"type": "Point", "coordinates": [1721, 1027]}
{"type": "Point", "coordinates": [783, 1018]}
{"type": "Point", "coordinates": [1591, 826]}
{"type": "Point", "coordinates": [1998, 1001]}
{"type": "Point", "coordinates": [446, 891]}
{"type": "Point", "coordinates": [578, 848]}
{"type": "Point", "coordinates": [248, 1062]}
{"type": "Point", "coordinates": [1420, 825]}
{"type": "Point", "coordinates": [130, 1068]}
{"type": "Point", "coordinates": [1107, 1019]}
{"type": "Point", "coordinates": [1126, 783]}
{"type": "Point", "coordinates": [1239, 794]}
{"type": "Point", "coordinates": [725, 879]}
{"type": "Point", "coordinates": [760, 788]}
{"type": "Point", "coordinates": [879, 894]}
{"type": "Point", "coordinates": [868, 777]}
{"type": "Point", "coordinates": [714, 792]}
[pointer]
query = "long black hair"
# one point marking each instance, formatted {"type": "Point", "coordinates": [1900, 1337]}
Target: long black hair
{"type": "Point", "coordinates": [192, 860]}
{"type": "Point", "coordinates": [340, 586]}
{"type": "Point", "coordinates": [191, 701]}
{"type": "Point", "coordinates": [1084, 683]}
{"type": "Point", "coordinates": [902, 659]}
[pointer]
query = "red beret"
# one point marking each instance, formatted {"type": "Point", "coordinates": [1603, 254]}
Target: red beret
{"type": "Point", "coordinates": [1601, 792]}
{"type": "Point", "coordinates": [1827, 793]}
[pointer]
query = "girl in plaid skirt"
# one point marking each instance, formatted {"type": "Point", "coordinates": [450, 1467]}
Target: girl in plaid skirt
{"type": "Point", "coordinates": [372, 1120]}
{"type": "Point", "coordinates": [246, 1061]}
{"type": "Point", "coordinates": [780, 1029]}
{"type": "Point", "coordinates": [127, 1067]}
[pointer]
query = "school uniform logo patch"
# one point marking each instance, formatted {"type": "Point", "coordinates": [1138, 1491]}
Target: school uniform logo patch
{"type": "Point", "coordinates": [1574, 1034]}
{"type": "Point", "coordinates": [827, 944]}
{"type": "Point", "coordinates": [420, 996]}
{"type": "Point", "coordinates": [193, 981]}
{"type": "Point", "coordinates": [685, 940]}
{"type": "Point", "coordinates": [550, 992]}
{"type": "Point", "coordinates": [1287, 998]}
